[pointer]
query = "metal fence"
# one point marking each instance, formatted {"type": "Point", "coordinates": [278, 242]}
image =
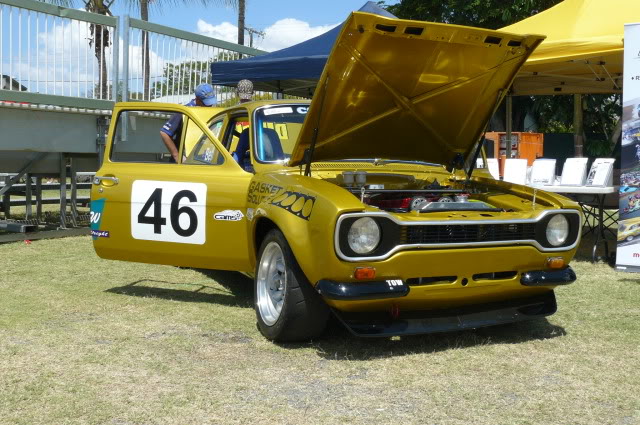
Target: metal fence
{"type": "Point", "coordinates": [55, 51]}
{"type": "Point", "coordinates": [67, 57]}
{"type": "Point", "coordinates": [166, 64]}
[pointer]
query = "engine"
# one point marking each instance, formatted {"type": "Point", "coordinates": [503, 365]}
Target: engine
{"type": "Point", "coordinates": [432, 197]}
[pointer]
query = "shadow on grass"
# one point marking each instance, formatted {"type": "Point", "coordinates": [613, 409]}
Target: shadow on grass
{"type": "Point", "coordinates": [340, 344]}
{"type": "Point", "coordinates": [630, 280]}
{"type": "Point", "coordinates": [237, 284]}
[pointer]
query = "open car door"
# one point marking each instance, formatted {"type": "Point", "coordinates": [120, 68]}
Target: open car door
{"type": "Point", "coordinates": [146, 207]}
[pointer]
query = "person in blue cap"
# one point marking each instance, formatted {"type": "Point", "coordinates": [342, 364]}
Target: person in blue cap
{"type": "Point", "coordinates": [171, 131]}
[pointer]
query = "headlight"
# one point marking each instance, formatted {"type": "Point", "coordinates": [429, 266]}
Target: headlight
{"type": "Point", "coordinates": [364, 235]}
{"type": "Point", "coordinates": [557, 230]}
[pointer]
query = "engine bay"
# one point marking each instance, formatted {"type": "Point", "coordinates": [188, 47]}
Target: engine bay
{"type": "Point", "coordinates": [421, 197]}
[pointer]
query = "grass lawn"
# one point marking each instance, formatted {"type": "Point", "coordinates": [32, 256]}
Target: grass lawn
{"type": "Point", "coordinates": [91, 341]}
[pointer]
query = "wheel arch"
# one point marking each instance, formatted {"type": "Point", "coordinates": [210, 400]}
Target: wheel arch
{"type": "Point", "coordinates": [297, 234]}
{"type": "Point", "coordinates": [262, 227]}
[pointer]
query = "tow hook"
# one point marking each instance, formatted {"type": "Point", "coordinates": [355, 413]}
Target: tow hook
{"type": "Point", "coordinates": [395, 311]}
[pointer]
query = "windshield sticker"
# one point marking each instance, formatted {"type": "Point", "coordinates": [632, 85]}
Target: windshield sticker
{"type": "Point", "coordinates": [229, 215]}
{"type": "Point", "coordinates": [282, 110]}
{"type": "Point", "coordinates": [296, 203]}
{"type": "Point", "coordinates": [95, 217]}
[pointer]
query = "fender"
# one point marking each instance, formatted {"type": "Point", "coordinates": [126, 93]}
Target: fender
{"type": "Point", "coordinates": [303, 208]}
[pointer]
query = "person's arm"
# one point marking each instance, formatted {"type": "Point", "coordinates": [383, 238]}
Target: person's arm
{"type": "Point", "coordinates": [167, 133]}
{"type": "Point", "coordinates": [171, 147]}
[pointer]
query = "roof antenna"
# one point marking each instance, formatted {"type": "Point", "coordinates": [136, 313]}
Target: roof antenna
{"type": "Point", "coordinates": [308, 153]}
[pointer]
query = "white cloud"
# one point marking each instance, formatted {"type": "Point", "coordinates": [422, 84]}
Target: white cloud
{"type": "Point", "coordinates": [283, 33]}
{"type": "Point", "coordinates": [289, 31]}
{"type": "Point", "coordinates": [225, 31]}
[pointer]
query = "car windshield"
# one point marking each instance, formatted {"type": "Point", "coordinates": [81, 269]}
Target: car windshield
{"type": "Point", "coordinates": [278, 127]}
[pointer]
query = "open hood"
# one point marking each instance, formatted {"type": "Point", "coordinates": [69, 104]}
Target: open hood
{"type": "Point", "coordinates": [411, 90]}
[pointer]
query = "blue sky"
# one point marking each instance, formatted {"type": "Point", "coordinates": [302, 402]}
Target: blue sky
{"type": "Point", "coordinates": [286, 22]}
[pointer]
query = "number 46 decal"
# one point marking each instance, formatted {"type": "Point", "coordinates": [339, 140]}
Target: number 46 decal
{"type": "Point", "coordinates": [168, 211]}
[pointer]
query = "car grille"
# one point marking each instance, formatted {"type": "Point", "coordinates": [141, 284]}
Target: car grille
{"type": "Point", "coordinates": [466, 233]}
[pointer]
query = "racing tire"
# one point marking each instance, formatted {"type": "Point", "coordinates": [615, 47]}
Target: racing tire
{"type": "Point", "coordinates": [287, 307]}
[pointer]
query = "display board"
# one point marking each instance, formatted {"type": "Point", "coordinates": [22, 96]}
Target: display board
{"type": "Point", "coordinates": [543, 172]}
{"type": "Point", "coordinates": [494, 168]}
{"type": "Point", "coordinates": [515, 171]}
{"type": "Point", "coordinates": [574, 172]}
{"type": "Point", "coordinates": [628, 252]}
{"type": "Point", "coordinates": [601, 172]}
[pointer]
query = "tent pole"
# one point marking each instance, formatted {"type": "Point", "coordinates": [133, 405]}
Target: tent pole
{"type": "Point", "coordinates": [509, 124]}
{"type": "Point", "coordinates": [577, 125]}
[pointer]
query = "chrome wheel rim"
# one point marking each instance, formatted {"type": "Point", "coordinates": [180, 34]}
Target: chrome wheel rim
{"type": "Point", "coordinates": [271, 283]}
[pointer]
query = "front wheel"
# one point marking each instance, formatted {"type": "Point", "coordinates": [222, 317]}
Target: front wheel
{"type": "Point", "coordinates": [287, 307]}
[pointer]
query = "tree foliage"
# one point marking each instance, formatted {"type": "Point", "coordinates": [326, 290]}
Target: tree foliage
{"type": "Point", "coordinates": [180, 78]}
{"type": "Point", "coordinates": [492, 14]}
{"type": "Point", "coordinates": [553, 114]}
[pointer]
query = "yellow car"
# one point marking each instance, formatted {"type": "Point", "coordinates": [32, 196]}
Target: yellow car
{"type": "Point", "coordinates": [362, 203]}
{"type": "Point", "coordinates": [629, 229]}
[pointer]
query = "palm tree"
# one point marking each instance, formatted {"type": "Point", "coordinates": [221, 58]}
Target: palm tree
{"type": "Point", "coordinates": [241, 9]}
{"type": "Point", "coordinates": [100, 38]}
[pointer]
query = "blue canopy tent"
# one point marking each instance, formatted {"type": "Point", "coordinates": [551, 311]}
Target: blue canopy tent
{"type": "Point", "coordinates": [294, 70]}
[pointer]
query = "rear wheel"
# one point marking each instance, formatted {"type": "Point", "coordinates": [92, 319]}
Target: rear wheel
{"type": "Point", "coordinates": [287, 307]}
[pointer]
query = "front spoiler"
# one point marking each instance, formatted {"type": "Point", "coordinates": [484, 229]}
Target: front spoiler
{"type": "Point", "coordinates": [470, 317]}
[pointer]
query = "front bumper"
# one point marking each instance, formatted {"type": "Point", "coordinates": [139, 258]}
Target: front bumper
{"type": "Point", "coordinates": [546, 278]}
{"type": "Point", "coordinates": [384, 289]}
{"type": "Point", "coordinates": [434, 321]}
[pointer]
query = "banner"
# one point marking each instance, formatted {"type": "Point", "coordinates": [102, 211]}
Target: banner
{"type": "Point", "coordinates": [628, 253]}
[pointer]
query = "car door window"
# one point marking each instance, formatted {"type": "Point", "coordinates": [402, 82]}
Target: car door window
{"type": "Point", "coordinates": [216, 127]}
{"type": "Point", "coordinates": [199, 149]}
{"type": "Point", "coordinates": [137, 136]}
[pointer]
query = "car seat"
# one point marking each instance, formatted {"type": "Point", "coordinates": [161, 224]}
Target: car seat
{"type": "Point", "coordinates": [271, 146]}
{"type": "Point", "coordinates": [241, 154]}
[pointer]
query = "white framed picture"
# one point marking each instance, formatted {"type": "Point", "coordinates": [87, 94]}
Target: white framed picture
{"type": "Point", "coordinates": [494, 168]}
{"type": "Point", "coordinates": [574, 172]}
{"type": "Point", "coordinates": [543, 172]}
{"type": "Point", "coordinates": [515, 170]}
{"type": "Point", "coordinates": [601, 172]}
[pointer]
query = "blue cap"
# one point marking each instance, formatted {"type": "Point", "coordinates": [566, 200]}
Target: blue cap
{"type": "Point", "coordinates": [206, 94]}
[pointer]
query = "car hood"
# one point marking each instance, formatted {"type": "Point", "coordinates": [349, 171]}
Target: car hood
{"type": "Point", "coordinates": [412, 90]}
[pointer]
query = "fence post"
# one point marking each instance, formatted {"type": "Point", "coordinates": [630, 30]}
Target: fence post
{"type": "Point", "coordinates": [125, 58]}
{"type": "Point", "coordinates": [116, 61]}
